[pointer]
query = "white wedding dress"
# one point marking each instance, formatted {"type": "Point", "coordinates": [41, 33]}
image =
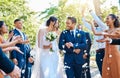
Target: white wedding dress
{"type": "Point", "coordinates": [47, 63]}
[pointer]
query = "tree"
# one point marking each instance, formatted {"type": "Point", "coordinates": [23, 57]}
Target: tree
{"type": "Point", "coordinates": [62, 11]}
{"type": "Point", "coordinates": [12, 9]}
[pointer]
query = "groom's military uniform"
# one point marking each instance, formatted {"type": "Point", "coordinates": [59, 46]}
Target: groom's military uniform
{"type": "Point", "coordinates": [72, 61]}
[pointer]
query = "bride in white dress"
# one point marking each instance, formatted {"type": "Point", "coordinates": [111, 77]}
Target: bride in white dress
{"type": "Point", "coordinates": [46, 62]}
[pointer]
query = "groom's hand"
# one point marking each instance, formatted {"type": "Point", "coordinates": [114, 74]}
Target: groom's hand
{"type": "Point", "coordinates": [85, 56]}
{"type": "Point", "coordinates": [71, 44]}
{"type": "Point", "coordinates": [31, 60]}
{"type": "Point", "coordinates": [67, 45]}
{"type": "Point", "coordinates": [77, 51]}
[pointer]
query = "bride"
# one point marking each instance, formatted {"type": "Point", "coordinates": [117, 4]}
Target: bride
{"type": "Point", "coordinates": [46, 61]}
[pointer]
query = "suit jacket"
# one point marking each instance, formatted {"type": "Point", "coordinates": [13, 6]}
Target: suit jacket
{"type": "Point", "coordinates": [22, 58]}
{"type": "Point", "coordinates": [5, 64]}
{"type": "Point", "coordinates": [28, 49]}
{"type": "Point", "coordinates": [116, 41]}
{"type": "Point", "coordinates": [79, 42]}
{"type": "Point", "coordinates": [88, 41]}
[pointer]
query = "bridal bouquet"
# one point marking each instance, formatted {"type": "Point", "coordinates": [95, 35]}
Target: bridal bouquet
{"type": "Point", "coordinates": [51, 36]}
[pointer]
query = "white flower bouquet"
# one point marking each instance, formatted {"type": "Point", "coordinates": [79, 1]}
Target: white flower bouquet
{"type": "Point", "coordinates": [51, 36]}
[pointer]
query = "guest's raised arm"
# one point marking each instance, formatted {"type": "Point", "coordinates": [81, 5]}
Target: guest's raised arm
{"type": "Point", "coordinates": [96, 32]}
{"type": "Point", "coordinates": [86, 24]}
{"type": "Point", "coordinates": [98, 21]}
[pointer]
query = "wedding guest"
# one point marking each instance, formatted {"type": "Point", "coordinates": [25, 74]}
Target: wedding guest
{"type": "Point", "coordinates": [20, 59]}
{"type": "Point", "coordinates": [86, 69]}
{"type": "Point", "coordinates": [111, 63]}
{"type": "Point", "coordinates": [29, 62]}
{"type": "Point", "coordinates": [8, 67]}
{"type": "Point", "coordinates": [6, 46]}
{"type": "Point", "coordinates": [100, 47]}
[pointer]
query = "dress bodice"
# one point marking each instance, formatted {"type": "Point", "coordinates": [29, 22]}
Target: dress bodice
{"type": "Point", "coordinates": [44, 41]}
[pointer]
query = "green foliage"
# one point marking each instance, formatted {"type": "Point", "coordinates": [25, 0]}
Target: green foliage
{"type": "Point", "coordinates": [112, 10]}
{"type": "Point", "coordinates": [102, 1]}
{"type": "Point", "coordinates": [62, 11]}
{"type": "Point", "coordinates": [13, 9]}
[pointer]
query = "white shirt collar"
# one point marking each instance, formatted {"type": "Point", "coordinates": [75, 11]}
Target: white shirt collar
{"type": "Point", "coordinates": [18, 30]}
{"type": "Point", "coordinates": [80, 29]}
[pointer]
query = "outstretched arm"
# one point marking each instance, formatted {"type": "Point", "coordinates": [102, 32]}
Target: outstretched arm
{"type": "Point", "coordinates": [98, 21]}
{"type": "Point", "coordinates": [12, 43]}
{"type": "Point", "coordinates": [90, 25]}
{"type": "Point", "coordinates": [97, 33]}
{"type": "Point", "coordinates": [12, 48]}
{"type": "Point", "coordinates": [111, 41]}
{"type": "Point", "coordinates": [86, 24]}
{"type": "Point", "coordinates": [4, 45]}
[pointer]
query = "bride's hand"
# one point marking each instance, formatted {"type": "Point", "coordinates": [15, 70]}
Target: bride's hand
{"type": "Point", "coordinates": [50, 45]}
{"type": "Point", "coordinates": [47, 46]}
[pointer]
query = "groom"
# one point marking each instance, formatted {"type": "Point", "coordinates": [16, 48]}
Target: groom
{"type": "Point", "coordinates": [73, 42]}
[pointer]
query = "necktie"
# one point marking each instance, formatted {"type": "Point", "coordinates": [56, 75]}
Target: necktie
{"type": "Point", "coordinates": [71, 32]}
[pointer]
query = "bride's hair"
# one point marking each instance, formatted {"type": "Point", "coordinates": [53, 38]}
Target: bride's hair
{"type": "Point", "coordinates": [53, 19]}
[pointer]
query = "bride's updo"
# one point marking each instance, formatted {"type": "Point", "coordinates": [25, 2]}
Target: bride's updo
{"type": "Point", "coordinates": [53, 19]}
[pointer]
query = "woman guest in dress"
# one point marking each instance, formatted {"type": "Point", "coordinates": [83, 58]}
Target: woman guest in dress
{"type": "Point", "coordinates": [111, 61]}
{"type": "Point", "coordinates": [6, 46]}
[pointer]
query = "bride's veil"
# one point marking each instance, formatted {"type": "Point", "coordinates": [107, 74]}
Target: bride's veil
{"type": "Point", "coordinates": [36, 70]}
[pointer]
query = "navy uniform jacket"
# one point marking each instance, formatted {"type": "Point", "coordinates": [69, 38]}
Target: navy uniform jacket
{"type": "Point", "coordinates": [22, 58]}
{"type": "Point", "coordinates": [5, 64]}
{"type": "Point", "coordinates": [79, 42]}
{"type": "Point", "coordinates": [88, 41]}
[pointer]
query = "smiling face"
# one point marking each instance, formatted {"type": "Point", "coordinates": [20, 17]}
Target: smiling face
{"type": "Point", "coordinates": [109, 21]}
{"type": "Point", "coordinates": [70, 25]}
{"type": "Point", "coordinates": [19, 24]}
